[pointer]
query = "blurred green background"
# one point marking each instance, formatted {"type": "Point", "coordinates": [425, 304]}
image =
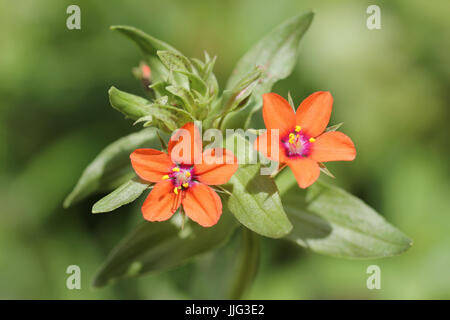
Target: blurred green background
{"type": "Point", "coordinates": [391, 88]}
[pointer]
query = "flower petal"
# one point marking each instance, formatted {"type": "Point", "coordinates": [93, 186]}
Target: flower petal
{"type": "Point", "coordinates": [150, 164]}
{"type": "Point", "coordinates": [217, 167]}
{"type": "Point", "coordinates": [202, 204]}
{"type": "Point", "coordinates": [268, 143]}
{"type": "Point", "coordinates": [278, 114]}
{"type": "Point", "coordinates": [161, 203]}
{"type": "Point", "coordinates": [314, 113]}
{"type": "Point", "coordinates": [305, 170]}
{"type": "Point", "coordinates": [333, 146]}
{"type": "Point", "coordinates": [185, 145]}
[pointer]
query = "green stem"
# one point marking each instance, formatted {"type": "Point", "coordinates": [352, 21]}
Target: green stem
{"type": "Point", "coordinates": [247, 265]}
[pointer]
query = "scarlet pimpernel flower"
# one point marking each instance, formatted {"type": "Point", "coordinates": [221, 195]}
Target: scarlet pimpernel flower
{"type": "Point", "coordinates": [182, 177]}
{"type": "Point", "coordinates": [298, 140]}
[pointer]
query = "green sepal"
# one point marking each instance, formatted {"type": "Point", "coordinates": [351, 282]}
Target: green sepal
{"type": "Point", "coordinates": [334, 128]}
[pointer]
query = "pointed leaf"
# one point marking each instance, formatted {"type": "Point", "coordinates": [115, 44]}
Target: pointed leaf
{"type": "Point", "coordinates": [132, 106]}
{"type": "Point", "coordinates": [254, 199]}
{"type": "Point", "coordinates": [126, 193]}
{"type": "Point", "coordinates": [168, 118]}
{"type": "Point", "coordinates": [276, 54]}
{"type": "Point", "coordinates": [256, 203]}
{"type": "Point", "coordinates": [331, 221]}
{"type": "Point", "coordinates": [155, 246]}
{"type": "Point", "coordinates": [175, 61]}
{"type": "Point", "coordinates": [184, 95]}
{"type": "Point", "coordinates": [237, 97]}
{"type": "Point", "coordinates": [148, 45]}
{"type": "Point", "coordinates": [112, 166]}
{"type": "Point", "coordinates": [195, 82]}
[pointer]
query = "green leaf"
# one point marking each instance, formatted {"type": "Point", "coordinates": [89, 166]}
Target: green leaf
{"type": "Point", "coordinates": [132, 106]}
{"type": "Point", "coordinates": [184, 95]}
{"type": "Point", "coordinates": [160, 88]}
{"type": "Point", "coordinates": [331, 221]}
{"type": "Point", "coordinates": [112, 166]}
{"type": "Point", "coordinates": [277, 54]}
{"type": "Point", "coordinates": [167, 117]}
{"type": "Point", "coordinates": [149, 46]}
{"type": "Point", "coordinates": [155, 246]}
{"type": "Point", "coordinates": [238, 97]}
{"type": "Point", "coordinates": [126, 193]}
{"type": "Point", "coordinates": [195, 82]}
{"type": "Point", "coordinates": [256, 203]}
{"type": "Point", "coordinates": [247, 264]}
{"type": "Point", "coordinates": [175, 61]}
{"type": "Point", "coordinates": [254, 200]}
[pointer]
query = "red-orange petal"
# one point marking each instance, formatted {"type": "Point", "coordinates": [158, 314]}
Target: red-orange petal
{"type": "Point", "coordinates": [216, 168]}
{"type": "Point", "coordinates": [150, 164]}
{"type": "Point", "coordinates": [268, 143]}
{"type": "Point", "coordinates": [202, 204]}
{"type": "Point", "coordinates": [162, 202]}
{"type": "Point", "coordinates": [185, 145]}
{"type": "Point", "coordinates": [333, 146]}
{"type": "Point", "coordinates": [314, 113]}
{"type": "Point", "coordinates": [278, 114]}
{"type": "Point", "coordinates": [305, 170]}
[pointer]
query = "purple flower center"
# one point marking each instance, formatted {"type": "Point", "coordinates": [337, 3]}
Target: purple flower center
{"type": "Point", "coordinates": [182, 176]}
{"type": "Point", "coordinates": [297, 144]}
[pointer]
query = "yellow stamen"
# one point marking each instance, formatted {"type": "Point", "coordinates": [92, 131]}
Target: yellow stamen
{"type": "Point", "coordinates": [165, 177]}
{"type": "Point", "coordinates": [186, 185]}
{"type": "Point", "coordinates": [298, 128]}
{"type": "Point", "coordinates": [291, 135]}
{"type": "Point", "coordinates": [188, 174]}
{"type": "Point", "coordinates": [312, 139]}
{"type": "Point", "coordinates": [176, 169]}
{"type": "Point", "coordinates": [175, 190]}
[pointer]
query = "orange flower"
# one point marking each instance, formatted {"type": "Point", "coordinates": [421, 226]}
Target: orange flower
{"type": "Point", "coordinates": [181, 180]}
{"type": "Point", "coordinates": [301, 140]}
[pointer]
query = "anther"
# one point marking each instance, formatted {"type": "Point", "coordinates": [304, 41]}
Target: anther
{"type": "Point", "coordinates": [312, 139]}
{"type": "Point", "coordinates": [176, 169]}
{"type": "Point", "coordinates": [165, 177]}
{"type": "Point", "coordinates": [298, 128]}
